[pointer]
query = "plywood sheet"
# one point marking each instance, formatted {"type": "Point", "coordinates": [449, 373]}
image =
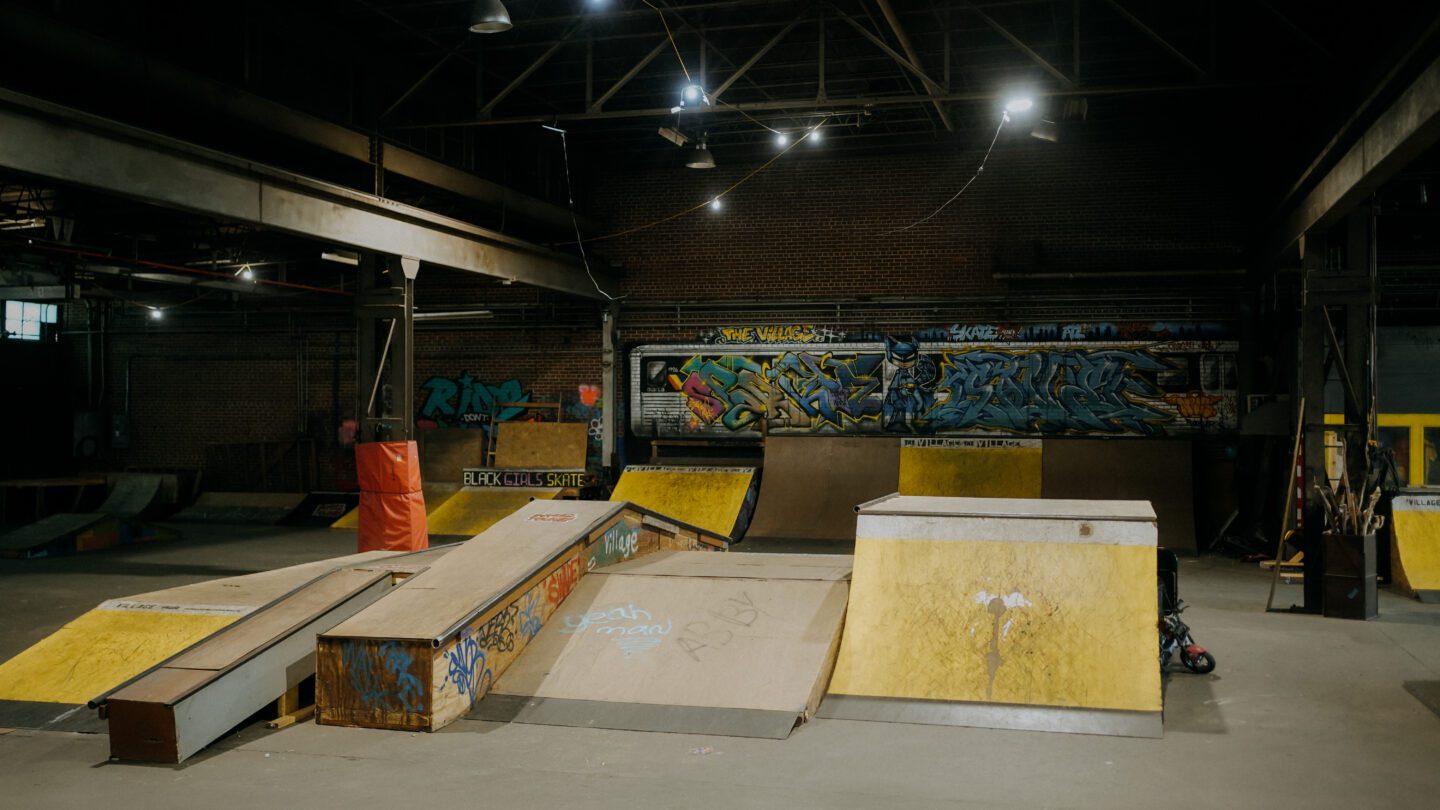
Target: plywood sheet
{"type": "Point", "coordinates": [445, 452]}
{"type": "Point", "coordinates": [1154, 470]}
{"type": "Point", "coordinates": [809, 486]}
{"type": "Point", "coordinates": [1415, 551]}
{"type": "Point", "coordinates": [978, 468]}
{"type": "Point", "coordinates": [712, 498]}
{"type": "Point", "coordinates": [249, 591]}
{"type": "Point", "coordinates": [541, 445]}
{"type": "Point", "coordinates": [428, 604]}
{"type": "Point", "coordinates": [472, 510]}
{"type": "Point", "coordinates": [738, 565]}
{"type": "Point", "coordinates": [709, 642]}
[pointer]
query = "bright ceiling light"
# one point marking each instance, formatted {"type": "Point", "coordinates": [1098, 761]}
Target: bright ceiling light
{"type": "Point", "coordinates": [814, 136]}
{"type": "Point", "coordinates": [782, 139]}
{"type": "Point", "coordinates": [692, 94]}
{"type": "Point", "coordinates": [1019, 104]}
{"type": "Point", "coordinates": [156, 313]}
{"type": "Point", "coordinates": [715, 204]}
{"type": "Point", "coordinates": [489, 17]}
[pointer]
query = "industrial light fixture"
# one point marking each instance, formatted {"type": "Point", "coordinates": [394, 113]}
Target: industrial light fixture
{"type": "Point", "coordinates": [1019, 104]}
{"type": "Point", "coordinates": [701, 158]}
{"type": "Point", "coordinates": [156, 313]}
{"type": "Point", "coordinates": [1046, 131]}
{"type": "Point", "coordinates": [245, 273]}
{"type": "Point", "coordinates": [692, 94]}
{"type": "Point", "coordinates": [782, 139]}
{"type": "Point", "coordinates": [814, 135]}
{"type": "Point", "coordinates": [489, 17]}
{"type": "Point", "coordinates": [715, 204]}
{"type": "Point", "coordinates": [349, 257]}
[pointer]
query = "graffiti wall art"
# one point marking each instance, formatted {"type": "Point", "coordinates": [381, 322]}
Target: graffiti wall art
{"type": "Point", "coordinates": [907, 385]}
{"type": "Point", "coordinates": [466, 402]}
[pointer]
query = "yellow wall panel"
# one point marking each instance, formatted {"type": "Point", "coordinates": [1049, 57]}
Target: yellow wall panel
{"type": "Point", "coordinates": [973, 468]}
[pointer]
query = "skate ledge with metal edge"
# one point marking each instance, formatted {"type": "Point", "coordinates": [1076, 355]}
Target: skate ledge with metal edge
{"type": "Point", "coordinates": [420, 657]}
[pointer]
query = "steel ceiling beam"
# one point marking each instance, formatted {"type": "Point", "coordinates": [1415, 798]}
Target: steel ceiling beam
{"type": "Point", "coordinates": [630, 74]}
{"type": "Point", "coordinates": [1400, 134]}
{"type": "Point", "coordinates": [932, 88]}
{"type": "Point", "coordinates": [935, 92]}
{"type": "Point", "coordinates": [839, 103]}
{"type": "Point", "coordinates": [1021, 46]}
{"type": "Point", "coordinates": [69, 146]}
{"type": "Point", "coordinates": [530, 71]}
{"type": "Point", "coordinates": [758, 55]}
{"type": "Point", "coordinates": [1159, 40]}
{"type": "Point", "coordinates": [28, 32]}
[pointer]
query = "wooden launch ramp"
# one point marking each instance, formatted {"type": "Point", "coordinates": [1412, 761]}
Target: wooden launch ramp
{"type": "Point", "coordinates": [730, 644]}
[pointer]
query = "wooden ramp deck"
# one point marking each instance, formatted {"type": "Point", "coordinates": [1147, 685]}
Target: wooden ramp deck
{"type": "Point", "coordinates": [420, 658]}
{"type": "Point", "coordinates": [685, 642]}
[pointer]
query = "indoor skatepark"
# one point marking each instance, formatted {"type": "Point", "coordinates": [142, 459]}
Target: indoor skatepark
{"type": "Point", "coordinates": [758, 403]}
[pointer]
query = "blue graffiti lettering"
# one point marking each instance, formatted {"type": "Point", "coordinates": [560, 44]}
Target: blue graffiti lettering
{"type": "Point", "coordinates": [467, 402]}
{"type": "Point", "coordinates": [389, 687]}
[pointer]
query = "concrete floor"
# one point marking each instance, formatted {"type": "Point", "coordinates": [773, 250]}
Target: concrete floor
{"type": "Point", "coordinates": [1301, 712]}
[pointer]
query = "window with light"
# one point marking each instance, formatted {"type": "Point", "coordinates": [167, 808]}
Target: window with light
{"type": "Point", "coordinates": [23, 319]}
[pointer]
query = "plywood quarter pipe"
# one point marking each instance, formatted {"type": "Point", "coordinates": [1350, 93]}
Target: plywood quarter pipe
{"type": "Point", "coordinates": [717, 499]}
{"type": "Point", "coordinates": [1415, 550]}
{"type": "Point", "coordinates": [973, 468]}
{"type": "Point", "coordinates": [809, 486]}
{"type": "Point", "coordinates": [131, 494]}
{"type": "Point", "coordinates": [1011, 613]}
{"type": "Point", "coordinates": [685, 642]}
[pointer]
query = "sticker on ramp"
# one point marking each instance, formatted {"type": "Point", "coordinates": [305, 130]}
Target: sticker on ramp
{"type": "Point", "coordinates": [951, 444]}
{"type": "Point", "coordinates": [553, 517]}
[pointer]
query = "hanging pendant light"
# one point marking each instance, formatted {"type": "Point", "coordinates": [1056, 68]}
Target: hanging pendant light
{"type": "Point", "coordinates": [489, 17]}
{"type": "Point", "coordinates": [701, 158]}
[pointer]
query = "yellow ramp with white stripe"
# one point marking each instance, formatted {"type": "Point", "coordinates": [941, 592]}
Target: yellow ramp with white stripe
{"type": "Point", "coordinates": [1002, 612]}
{"type": "Point", "coordinates": [472, 510]}
{"type": "Point", "coordinates": [970, 468]}
{"type": "Point", "coordinates": [717, 499]}
{"type": "Point", "coordinates": [1415, 552]}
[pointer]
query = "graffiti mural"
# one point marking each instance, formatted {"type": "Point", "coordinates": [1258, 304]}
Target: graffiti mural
{"type": "Point", "coordinates": [912, 386]}
{"type": "Point", "coordinates": [466, 402]}
{"type": "Point", "coordinates": [589, 407]}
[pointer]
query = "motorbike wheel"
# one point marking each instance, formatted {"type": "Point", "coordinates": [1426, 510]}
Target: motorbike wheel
{"type": "Point", "coordinates": [1200, 664]}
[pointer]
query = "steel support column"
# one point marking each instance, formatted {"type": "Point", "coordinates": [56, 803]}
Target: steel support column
{"type": "Point", "coordinates": [610, 380]}
{"type": "Point", "coordinates": [385, 368]}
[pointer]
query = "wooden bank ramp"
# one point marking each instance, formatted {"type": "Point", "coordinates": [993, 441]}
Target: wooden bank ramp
{"type": "Point", "coordinates": [717, 499]}
{"type": "Point", "coordinates": [472, 510]}
{"type": "Point", "coordinates": [1415, 552]}
{"type": "Point", "coordinates": [420, 658]}
{"type": "Point", "coordinates": [731, 644]}
{"type": "Point", "coordinates": [49, 684]}
{"type": "Point", "coordinates": [809, 486]}
{"type": "Point", "coordinates": [1005, 613]}
{"type": "Point", "coordinates": [178, 708]}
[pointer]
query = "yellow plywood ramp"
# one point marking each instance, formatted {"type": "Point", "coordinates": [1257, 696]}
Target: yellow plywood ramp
{"type": "Point", "coordinates": [717, 499]}
{"type": "Point", "coordinates": [435, 496]}
{"type": "Point", "coordinates": [1415, 552]}
{"type": "Point", "coordinates": [973, 468]}
{"type": "Point", "coordinates": [472, 510]}
{"type": "Point", "coordinates": [999, 611]}
{"type": "Point", "coordinates": [100, 650]}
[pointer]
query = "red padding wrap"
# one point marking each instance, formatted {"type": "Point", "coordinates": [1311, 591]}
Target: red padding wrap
{"type": "Point", "coordinates": [392, 507]}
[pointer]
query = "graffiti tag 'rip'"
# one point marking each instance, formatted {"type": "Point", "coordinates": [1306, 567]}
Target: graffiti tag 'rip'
{"type": "Point", "coordinates": [465, 401]}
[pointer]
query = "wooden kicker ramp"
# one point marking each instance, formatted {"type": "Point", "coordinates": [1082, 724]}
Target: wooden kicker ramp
{"type": "Point", "coordinates": [717, 499]}
{"type": "Point", "coordinates": [422, 656]}
{"type": "Point", "coordinates": [1002, 612]}
{"type": "Point", "coordinates": [685, 642]}
{"type": "Point", "coordinates": [49, 684]}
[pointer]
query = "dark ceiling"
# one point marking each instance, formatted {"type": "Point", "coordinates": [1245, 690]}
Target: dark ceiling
{"type": "Point", "coordinates": [1267, 84]}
